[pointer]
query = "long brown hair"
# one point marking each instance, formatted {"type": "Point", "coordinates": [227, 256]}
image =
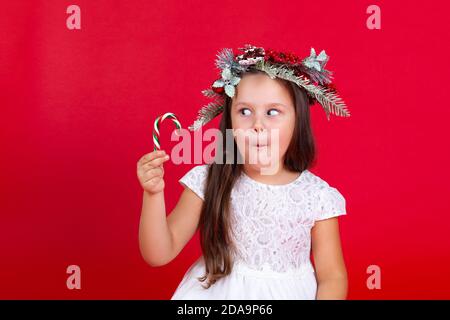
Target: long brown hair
{"type": "Point", "coordinates": [215, 227]}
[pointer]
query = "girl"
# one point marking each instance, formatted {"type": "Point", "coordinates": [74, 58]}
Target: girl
{"type": "Point", "coordinates": [257, 230]}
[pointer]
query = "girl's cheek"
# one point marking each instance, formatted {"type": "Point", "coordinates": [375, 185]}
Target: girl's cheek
{"type": "Point", "coordinates": [284, 138]}
{"type": "Point", "coordinates": [239, 123]}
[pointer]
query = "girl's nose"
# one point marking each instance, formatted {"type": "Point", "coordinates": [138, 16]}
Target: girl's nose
{"type": "Point", "coordinates": [258, 128]}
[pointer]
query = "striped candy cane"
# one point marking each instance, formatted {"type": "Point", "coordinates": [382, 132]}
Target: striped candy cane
{"type": "Point", "coordinates": [156, 128]}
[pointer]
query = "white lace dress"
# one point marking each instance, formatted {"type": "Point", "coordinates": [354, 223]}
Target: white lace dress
{"type": "Point", "coordinates": [272, 226]}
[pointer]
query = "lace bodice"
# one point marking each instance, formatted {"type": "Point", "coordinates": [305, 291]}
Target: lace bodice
{"type": "Point", "coordinates": [272, 223]}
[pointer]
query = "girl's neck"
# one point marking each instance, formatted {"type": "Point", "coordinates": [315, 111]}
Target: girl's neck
{"type": "Point", "coordinates": [281, 176]}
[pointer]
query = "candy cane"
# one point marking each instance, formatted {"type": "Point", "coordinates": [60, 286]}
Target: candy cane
{"type": "Point", "coordinates": [156, 128]}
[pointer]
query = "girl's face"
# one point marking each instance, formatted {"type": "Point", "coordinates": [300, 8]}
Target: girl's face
{"type": "Point", "coordinates": [261, 108]}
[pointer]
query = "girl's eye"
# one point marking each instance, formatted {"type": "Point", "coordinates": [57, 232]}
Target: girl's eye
{"type": "Point", "coordinates": [244, 109]}
{"type": "Point", "coordinates": [274, 110]}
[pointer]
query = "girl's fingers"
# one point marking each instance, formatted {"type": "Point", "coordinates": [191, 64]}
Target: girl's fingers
{"type": "Point", "coordinates": [161, 168]}
{"type": "Point", "coordinates": [151, 156]}
{"type": "Point", "coordinates": [158, 171]}
{"type": "Point", "coordinates": [150, 167]}
{"type": "Point", "coordinates": [152, 174]}
{"type": "Point", "coordinates": [156, 162]}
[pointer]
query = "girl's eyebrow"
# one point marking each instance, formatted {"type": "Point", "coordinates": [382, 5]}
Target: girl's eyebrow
{"type": "Point", "coordinates": [267, 104]}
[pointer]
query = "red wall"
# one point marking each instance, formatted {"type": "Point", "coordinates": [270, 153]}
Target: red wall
{"type": "Point", "coordinates": [77, 109]}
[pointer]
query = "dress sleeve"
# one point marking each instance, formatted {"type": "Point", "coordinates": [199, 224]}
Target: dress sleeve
{"type": "Point", "coordinates": [331, 203]}
{"type": "Point", "coordinates": [195, 179]}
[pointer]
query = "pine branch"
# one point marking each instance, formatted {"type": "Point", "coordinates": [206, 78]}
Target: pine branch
{"type": "Point", "coordinates": [207, 113]}
{"type": "Point", "coordinates": [210, 93]}
{"type": "Point", "coordinates": [329, 100]}
{"type": "Point", "coordinates": [225, 60]}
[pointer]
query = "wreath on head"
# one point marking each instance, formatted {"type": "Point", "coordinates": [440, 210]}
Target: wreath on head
{"type": "Point", "coordinates": [308, 73]}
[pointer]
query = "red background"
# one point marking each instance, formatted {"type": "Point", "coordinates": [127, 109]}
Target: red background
{"type": "Point", "coordinates": [77, 109]}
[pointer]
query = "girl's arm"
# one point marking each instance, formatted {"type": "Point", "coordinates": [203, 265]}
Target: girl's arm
{"type": "Point", "coordinates": [328, 260]}
{"type": "Point", "coordinates": [161, 238]}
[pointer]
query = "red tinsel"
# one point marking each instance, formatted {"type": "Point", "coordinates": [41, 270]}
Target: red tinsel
{"type": "Point", "coordinates": [282, 57]}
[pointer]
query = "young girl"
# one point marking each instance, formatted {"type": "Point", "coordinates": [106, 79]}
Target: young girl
{"type": "Point", "coordinates": [257, 230]}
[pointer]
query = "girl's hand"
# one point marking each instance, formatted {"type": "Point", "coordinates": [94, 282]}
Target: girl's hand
{"type": "Point", "coordinates": [150, 171]}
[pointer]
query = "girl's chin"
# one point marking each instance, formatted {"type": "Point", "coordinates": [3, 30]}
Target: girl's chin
{"type": "Point", "coordinates": [258, 160]}
{"type": "Point", "coordinates": [263, 169]}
